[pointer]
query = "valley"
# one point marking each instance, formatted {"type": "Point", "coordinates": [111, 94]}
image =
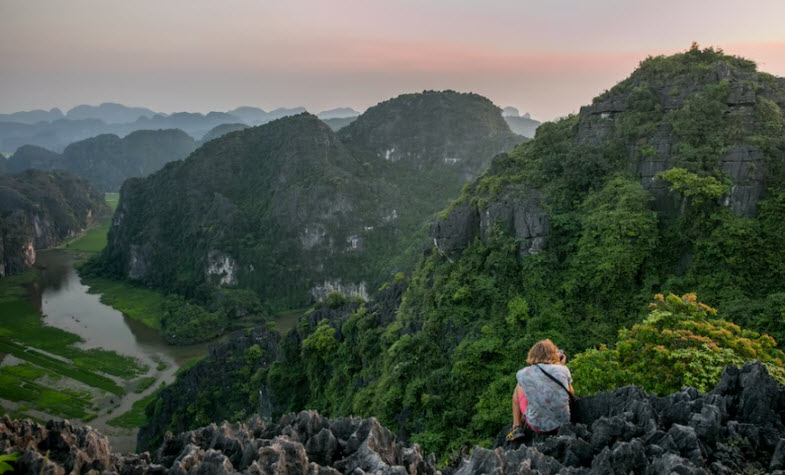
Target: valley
{"type": "Point", "coordinates": [67, 355]}
{"type": "Point", "coordinates": [397, 265]}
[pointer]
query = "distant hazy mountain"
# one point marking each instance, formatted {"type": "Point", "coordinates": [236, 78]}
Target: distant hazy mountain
{"type": "Point", "coordinates": [193, 123]}
{"type": "Point", "coordinates": [221, 130]}
{"type": "Point", "coordinates": [510, 112]}
{"type": "Point", "coordinates": [522, 125]}
{"type": "Point", "coordinates": [32, 156]}
{"type": "Point", "coordinates": [109, 112]}
{"type": "Point", "coordinates": [282, 112]}
{"type": "Point", "coordinates": [54, 135]}
{"type": "Point", "coordinates": [53, 131]}
{"type": "Point", "coordinates": [32, 117]}
{"type": "Point", "coordinates": [339, 113]}
{"type": "Point", "coordinates": [256, 116]}
{"type": "Point", "coordinates": [106, 160]}
{"type": "Point", "coordinates": [249, 115]}
{"type": "Point", "coordinates": [339, 122]}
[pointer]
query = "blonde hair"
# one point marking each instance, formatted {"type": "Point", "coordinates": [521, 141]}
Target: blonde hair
{"type": "Point", "coordinates": [543, 351]}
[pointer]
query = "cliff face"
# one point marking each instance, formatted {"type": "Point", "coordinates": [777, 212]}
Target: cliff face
{"type": "Point", "coordinates": [560, 239]}
{"type": "Point", "coordinates": [712, 114]}
{"type": "Point", "coordinates": [39, 210]}
{"type": "Point", "coordinates": [294, 211]}
{"type": "Point", "coordinates": [736, 428]}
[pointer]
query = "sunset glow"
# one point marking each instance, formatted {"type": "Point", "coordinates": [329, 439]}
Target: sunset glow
{"type": "Point", "coordinates": [196, 55]}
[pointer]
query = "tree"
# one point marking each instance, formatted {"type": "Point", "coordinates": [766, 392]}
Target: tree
{"type": "Point", "coordinates": [681, 343]}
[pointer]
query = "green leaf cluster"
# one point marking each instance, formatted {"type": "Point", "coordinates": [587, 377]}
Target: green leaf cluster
{"type": "Point", "coordinates": [681, 343]}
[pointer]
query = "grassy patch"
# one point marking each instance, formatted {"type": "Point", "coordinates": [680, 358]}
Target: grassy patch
{"type": "Point", "coordinates": [66, 369]}
{"type": "Point", "coordinates": [94, 240]}
{"type": "Point", "coordinates": [188, 365]}
{"type": "Point", "coordinates": [22, 326]}
{"type": "Point", "coordinates": [134, 417]}
{"type": "Point", "coordinates": [112, 199]}
{"type": "Point", "coordinates": [137, 303]}
{"type": "Point", "coordinates": [160, 363]}
{"type": "Point", "coordinates": [17, 383]}
{"type": "Point", "coordinates": [143, 383]}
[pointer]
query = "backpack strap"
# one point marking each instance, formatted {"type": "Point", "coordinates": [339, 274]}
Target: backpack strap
{"type": "Point", "coordinates": [555, 380]}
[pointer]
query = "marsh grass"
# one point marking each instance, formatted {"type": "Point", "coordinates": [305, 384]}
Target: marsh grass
{"type": "Point", "coordinates": [137, 303]}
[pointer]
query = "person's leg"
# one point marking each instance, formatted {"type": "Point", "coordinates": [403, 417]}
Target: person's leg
{"type": "Point", "coordinates": [518, 407]}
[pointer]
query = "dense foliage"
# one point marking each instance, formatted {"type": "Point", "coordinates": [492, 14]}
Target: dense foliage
{"type": "Point", "coordinates": [672, 181]}
{"type": "Point", "coordinates": [292, 210]}
{"type": "Point", "coordinates": [40, 210]}
{"type": "Point", "coordinates": [681, 343]}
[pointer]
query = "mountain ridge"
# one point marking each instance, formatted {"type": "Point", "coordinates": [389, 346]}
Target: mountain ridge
{"type": "Point", "coordinates": [361, 213]}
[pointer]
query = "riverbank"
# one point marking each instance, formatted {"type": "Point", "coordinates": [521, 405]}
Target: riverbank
{"type": "Point", "coordinates": [88, 349]}
{"type": "Point", "coordinates": [65, 354]}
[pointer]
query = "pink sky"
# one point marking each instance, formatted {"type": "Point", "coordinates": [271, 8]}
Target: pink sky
{"type": "Point", "coordinates": [548, 58]}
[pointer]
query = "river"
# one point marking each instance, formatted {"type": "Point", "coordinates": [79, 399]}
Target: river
{"type": "Point", "coordinates": [65, 303]}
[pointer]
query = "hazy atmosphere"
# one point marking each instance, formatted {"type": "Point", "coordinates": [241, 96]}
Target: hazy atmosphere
{"type": "Point", "coordinates": [547, 58]}
{"type": "Point", "coordinates": [392, 237]}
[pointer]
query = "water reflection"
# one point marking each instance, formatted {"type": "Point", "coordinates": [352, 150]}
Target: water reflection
{"type": "Point", "coordinates": [65, 303]}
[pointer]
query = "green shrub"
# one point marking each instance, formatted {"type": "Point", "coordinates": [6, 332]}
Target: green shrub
{"type": "Point", "coordinates": [681, 343]}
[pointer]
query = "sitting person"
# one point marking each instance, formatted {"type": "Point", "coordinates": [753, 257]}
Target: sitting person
{"type": "Point", "coordinates": [542, 401]}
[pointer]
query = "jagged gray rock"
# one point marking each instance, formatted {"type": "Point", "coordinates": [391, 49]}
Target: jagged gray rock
{"type": "Point", "coordinates": [736, 428]}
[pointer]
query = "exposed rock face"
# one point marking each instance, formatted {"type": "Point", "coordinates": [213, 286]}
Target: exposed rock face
{"type": "Point", "coordinates": [56, 448]}
{"type": "Point", "coordinates": [518, 212]}
{"type": "Point", "coordinates": [736, 428]}
{"type": "Point", "coordinates": [222, 266]}
{"type": "Point", "coordinates": [748, 173]}
{"type": "Point", "coordinates": [320, 292]}
{"type": "Point", "coordinates": [600, 121]}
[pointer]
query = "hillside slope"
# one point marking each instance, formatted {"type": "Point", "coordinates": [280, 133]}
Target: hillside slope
{"type": "Point", "coordinates": [672, 181]}
{"type": "Point", "coordinates": [39, 210]}
{"type": "Point", "coordinates": [293, 211]}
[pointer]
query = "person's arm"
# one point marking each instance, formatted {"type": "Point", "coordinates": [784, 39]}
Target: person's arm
{"type": "Point", "coordinates": [572, 391]}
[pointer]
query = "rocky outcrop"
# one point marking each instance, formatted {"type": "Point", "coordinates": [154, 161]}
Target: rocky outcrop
{"type": "Point", "coordinates": [321, 291]}
{"type": "Point", "coordinates": [518, 213]}
{"type": "Point", "coordinates": [736, 428]}
{"type": "Point", "coordinates": [600, 122]}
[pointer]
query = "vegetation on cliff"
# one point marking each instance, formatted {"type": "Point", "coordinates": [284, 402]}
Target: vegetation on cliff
{"type": "Point", "coordinates": [291, 210]}
{"type": "Point", "coordinates": [672, 181]}
{"type": "Point", "coordinates": [41, 209]}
